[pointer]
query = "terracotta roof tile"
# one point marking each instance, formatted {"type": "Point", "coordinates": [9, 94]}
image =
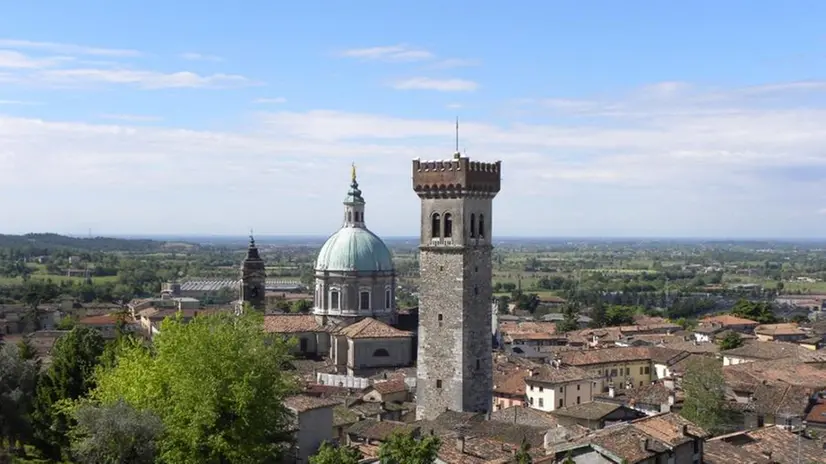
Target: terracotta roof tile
{"type": "Point", "coordinates": [721, 452]}
{"type": "Point", "coordinates": [554, 375]}
{"type": "Point", "coordinates": [777, 442]}
{"type": "Point", "coordinates": [775, 350]}
{"type": "Point", "coordinates": [605, 355]}
{"type": "Point", "coordinates": [372, 328]}
{"type": "Point", "coordinates": [390, 386]}
{"type": "Point", "coordinates": [292, 323]}
{"type": "Point", "coordinates": [303, 403]}
{"type": "Point", "coordinates": [727, 320]}
{"type": "Point", "coordinates": [593, 410]}
{"type": "Point", "coordinates": [779, 329]}
{"type": "Point", "coordinates": [379, 429]}
{"type": "Point", "coordinates": [105, 319]}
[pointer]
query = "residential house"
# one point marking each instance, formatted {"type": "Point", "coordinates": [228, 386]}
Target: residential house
{"type": "Point", "coordinates": [595, 415]}
{"type": "Point", "coordinates": [388, 391]}
{"type": "Point", "coordinates": [767, 351]}
{"type": "Point", "coordinates": [729, 322]}
{"type": "Point", "coordinates": [550, 387]}
{"type": "Point", "coordinates": [785, 332]}
{"type": "Point", "coordinates": [509, 389]}
{"type": "Point", "coordinates": [313, 424]}
{"type": "Point", "coordinates": [666, 438]}
{"type": "Point", "coordinates": [622, 367]}
{"type": "Point", "coordinates": [774, 444]}
{"type": "Point", "coordinates": [651, 399]}
{"type": "Point", "coordinates": [816, 413]}
{"type": "Point", "coordinates": [149, 320]}
{"type": "Point", "coordinates": [107, 324]}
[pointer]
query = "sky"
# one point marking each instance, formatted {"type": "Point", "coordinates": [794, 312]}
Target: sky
{"type": "Point", "coordinates": [611, 119]}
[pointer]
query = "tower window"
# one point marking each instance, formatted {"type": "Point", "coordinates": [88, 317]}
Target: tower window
{"type": "Point", "coordinates": [349, 216]}
{"type": "Point", "coordinates": [335, 296]}
{"type": "Point", "coordinates": [475, 290]}
{"type": "Point", "coordinates": [472, 226]}
{"type": "Point", "coordinates": [481, 226]}
{"type": "Point", "coordinates": [387, 298]}
{"type": "Point", "coordinates": [440, 318]}
{"type": "Point", "coordinates": [448, 225]}
{"type": "Point", "coordinates": [478, 364]}
{"type": "Point", "coordinates": [364, 300]}
{"type": "Point", "coordinates": [435, 226]}
{"type": "Point", "coordinates": [438, 384]}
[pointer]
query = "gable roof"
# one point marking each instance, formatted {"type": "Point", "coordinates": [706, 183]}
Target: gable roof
{"type": "Point", "coordinates": [372, 328]}
{"type": "Point", "coordinates": [292, 323]}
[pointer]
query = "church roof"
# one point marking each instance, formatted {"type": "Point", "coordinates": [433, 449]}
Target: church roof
{"type": "Point", "coordinates": [291, 323]}
{"type": "Point", "coordinates": [354, 249]}
{"type": "Point", "coordinates": [372, 328]}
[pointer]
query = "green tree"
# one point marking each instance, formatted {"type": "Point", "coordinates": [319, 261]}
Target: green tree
{"type": "Point", "coordinates": [329, 454]}
{"type": "Point", "coordinates": [18, 377]}
{"type": "Point", "coordinates": [27, 349]}
{"type": "Point", "coordinates": [404, 448]}
{"type": "Point", "coordinates": [301, 306]}
{"type": "Point", "coordinates": [216, 383]}
{"type": "Point", "coordinates": [67, 323]}
{"type": "Point", "coordinates": [730, 341]}
{"type": "Point", "coordinates": [69, 377]}
{"type": "Point", "coordinates": [114, 434]}
{"type": "Point", "coordinates": [571, 318]}
{"type": "Point", "coordinates": [523, 454]}
{"type": "Point", "coordinates": [705, 396]}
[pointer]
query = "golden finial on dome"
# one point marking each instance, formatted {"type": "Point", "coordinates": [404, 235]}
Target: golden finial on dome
{"type": "Point", "coordinates": [353, 172]}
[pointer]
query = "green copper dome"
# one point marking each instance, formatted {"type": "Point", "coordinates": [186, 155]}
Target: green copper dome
{"type": "Point", "coordinates": [354, 249]}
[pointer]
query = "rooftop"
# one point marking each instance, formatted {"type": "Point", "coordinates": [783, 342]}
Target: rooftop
{"type": "Point", "coordinates": [605, 356]}
{"type": "Point", "coordinates": [727, 320]}
{"type": "Point", "coordinates": [292, 323]}
{"type": "Point", "coordinates": [304, 403]}
{"type": "Point", "coordinates": [372, 328]}
{"type": "Point", "coordinates": [774, 350]}
{"type": "Point", "coordinates": [594, 410]}
{"type": "Point", "coordinates": [777, 442]}
{"type": "Point", "coordinates": [555, 375]}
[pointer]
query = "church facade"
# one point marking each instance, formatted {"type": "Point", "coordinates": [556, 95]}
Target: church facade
{"type": "Point", "coordinates": [353, 301]}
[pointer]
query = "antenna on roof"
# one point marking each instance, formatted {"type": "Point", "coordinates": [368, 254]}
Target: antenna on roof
{"type": "Point", "coordinates": [456, 153]}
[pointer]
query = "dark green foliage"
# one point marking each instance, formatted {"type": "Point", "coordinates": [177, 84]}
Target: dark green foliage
{"type": "Point", "coordinates": [18, 378]}
{"type": "Point", "coordinates": [403, 448]}
{"type": "Point", "coordinates": [70, 376]}
{"type": "Point", "coordinates": [570, 321]}
{"type": "Point", "coordinates": [523, 454]}
{"type": "Point", "coordinates": [758, 311]}
{"type": "Point", "coordinates": [705, 401]}
{"type": "Point", "coordinates": [329, 454]}
{"type": "Point", "coordinates": [114, 434]}
{"type": "Point", "coordinates": [730, 341]}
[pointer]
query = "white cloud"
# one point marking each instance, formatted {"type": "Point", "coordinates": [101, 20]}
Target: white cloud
{"type": "Point", "coordinates": [671, 166]}
{"type": "Point", "coordinates": [144, 79]}
{"type": "Point", "coordinates": [15, 60]}
{"type": "Point", "coordinates": [441, 85]}
{"type": "Point", "coordinates": [393, 53]}
{"type": "Point", "coordinates": [276, 100]}
{"type": "Point", "coordinates": [200, 57]}
{"type": "Point", "coordinates": [455, 63]}
{"type": "Point", "coordinates": [453, 106]}
{"type": "Point", "coordinates": [68, 49]}
{"type": "Point", "coordinates": [131, 117]}
{"type": "Point", "coordinates": [18, 102]}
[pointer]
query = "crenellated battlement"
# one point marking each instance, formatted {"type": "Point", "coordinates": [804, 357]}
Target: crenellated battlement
{"type": "Point", "coordinates": [456, 178]}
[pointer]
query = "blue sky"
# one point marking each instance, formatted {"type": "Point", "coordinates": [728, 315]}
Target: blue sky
{"type": "Point", "coordinates": [631, 118]}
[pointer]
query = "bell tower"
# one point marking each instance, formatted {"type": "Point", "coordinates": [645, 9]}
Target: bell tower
{"type": "Point", "coordinates": [253, 278]}
{"type": "Point", "coordinates": [454, 363]}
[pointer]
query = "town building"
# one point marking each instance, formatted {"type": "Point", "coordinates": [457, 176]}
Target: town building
{"type": "Point", "coordinates": [455, 359]}
{"type": "Point", "coordinates": [550, 387]}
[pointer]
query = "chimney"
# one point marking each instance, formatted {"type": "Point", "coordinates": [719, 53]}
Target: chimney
{"type": "Point", "coordinates": [611, 391]}
{"type": "Point", "coordinates": [672, 398]}
{"type": "Point", "coordinates": [530, 372]}
{"type": "Point", "coordinates": [685, 430]}
{"type": "Point", "coordinates": [460, 444]}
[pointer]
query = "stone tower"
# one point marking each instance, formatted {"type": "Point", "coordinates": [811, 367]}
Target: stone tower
{"type": "Point", "coordinates": [455, 365]}
{"type": "Point", "coordinates": [253, 278]}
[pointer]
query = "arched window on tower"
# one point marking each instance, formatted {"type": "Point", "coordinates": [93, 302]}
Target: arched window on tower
{"type": "Point", "coordinates": [448, 225]}
{"type": "Point", "coordinates": [481, 226]}
{"type": "Point", "coordinates": [349, 216]}
{"type": "Point", "coordinates": [435, 226]}
{"type": "Point", "coordinates": [472, 226]}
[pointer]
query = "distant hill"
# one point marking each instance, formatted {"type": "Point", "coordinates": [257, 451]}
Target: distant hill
{"type": "Point", "coordinates": [55, 241]}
